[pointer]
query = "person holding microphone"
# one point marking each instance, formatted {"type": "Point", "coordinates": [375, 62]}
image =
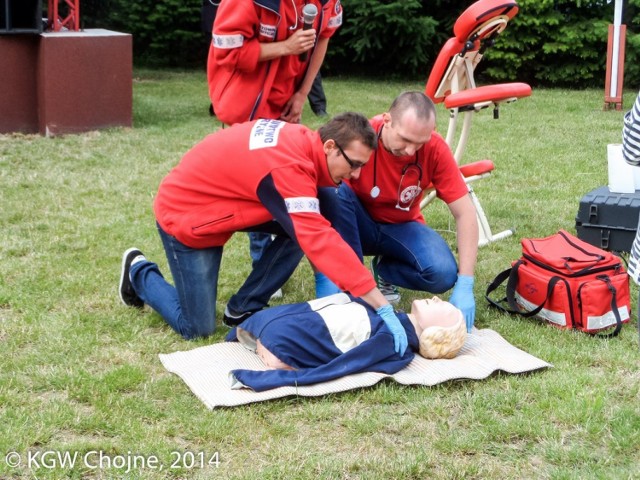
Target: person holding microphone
{"type": "Point", "coordinates": [265, 55]}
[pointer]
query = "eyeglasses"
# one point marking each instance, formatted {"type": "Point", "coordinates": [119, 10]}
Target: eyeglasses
{"type": "Point", "coordinates": [352, 163]}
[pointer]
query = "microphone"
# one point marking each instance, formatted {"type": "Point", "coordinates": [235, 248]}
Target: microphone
{"type": "Point", "coordinates": [309, 13]}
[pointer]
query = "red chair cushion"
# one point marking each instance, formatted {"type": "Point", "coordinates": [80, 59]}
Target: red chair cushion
{"type": "Point", "coordinates": [488, 93]}
{"type": "Point", "coordinates": [480, 12]}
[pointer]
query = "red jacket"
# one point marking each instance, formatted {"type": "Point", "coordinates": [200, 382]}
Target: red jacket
{"type": "Point", "coordinates": [240, 87]}
{"type": "Point", "coordinates": [436, 167]}
{"type": "Point", "coordinates": [250, 174]}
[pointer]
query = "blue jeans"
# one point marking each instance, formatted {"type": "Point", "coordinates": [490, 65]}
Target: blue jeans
{"type": "Point", "coordinates": [258, 242]}
{"type": "Point", "coordinates": [413, 255]}
{"type": "Point", "coordinates": [189, 306]}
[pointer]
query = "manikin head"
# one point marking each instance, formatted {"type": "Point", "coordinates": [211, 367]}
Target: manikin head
{"type": "Point", "coordinates": [443, 328]}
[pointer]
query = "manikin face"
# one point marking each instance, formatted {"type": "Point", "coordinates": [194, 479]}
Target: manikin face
{"type": "Point", "coordinates": [340, 156]}
{"type": "Point", "coordinates": [407, 134]}
{"type": "Point", "coordinates": [443, 329]}
{"type": "Point", "coordinates": [433, 312]}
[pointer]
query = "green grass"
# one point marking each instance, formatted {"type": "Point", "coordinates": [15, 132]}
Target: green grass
{"type": "Point", "coordinates": [80, 373]}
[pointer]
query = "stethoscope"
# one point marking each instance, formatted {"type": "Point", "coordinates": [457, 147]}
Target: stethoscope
{"type": "Point", "coordinates": [295, 9]}
{"type": "Point", "coordinates": [375, 191]}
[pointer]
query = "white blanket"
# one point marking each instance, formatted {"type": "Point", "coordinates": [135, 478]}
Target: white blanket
{"type": "Point", "coordinates": [205, 370]}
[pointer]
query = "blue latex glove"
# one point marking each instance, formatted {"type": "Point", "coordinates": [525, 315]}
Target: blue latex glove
{"type": "Point", "coordinates": [397, 330]}
{"type": "Point", "coordinates": [462, 297]}
{"type": "Point", "coordinates": [324, 286]}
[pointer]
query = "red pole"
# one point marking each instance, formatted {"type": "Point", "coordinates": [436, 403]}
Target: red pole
{"type": "Point", "coordinates": [615, 99]}
{"type": "Point", "coordinates": [615, 59]}
{"type": "Point", "coordinates": [70, 22]}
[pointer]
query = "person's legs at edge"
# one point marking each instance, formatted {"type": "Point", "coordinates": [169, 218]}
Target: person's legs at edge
{"type": "Point", "coordinates": [189, 307]}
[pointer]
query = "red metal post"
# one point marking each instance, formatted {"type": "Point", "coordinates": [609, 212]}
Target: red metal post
{"type": "Point", "coordinates": [70, 22]}
{"type": "Point", "coordinates": [615, 100]}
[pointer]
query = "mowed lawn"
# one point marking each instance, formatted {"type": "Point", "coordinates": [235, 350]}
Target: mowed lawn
{"type": "Point", "coordinates": [82, 391]}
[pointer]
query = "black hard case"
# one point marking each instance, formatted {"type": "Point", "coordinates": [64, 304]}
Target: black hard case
{"type": "Point", "coordinates": [608, 220]}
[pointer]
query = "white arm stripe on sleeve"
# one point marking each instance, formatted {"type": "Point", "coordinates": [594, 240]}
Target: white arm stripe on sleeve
{"type": "Point", "coordinates": [336, 21]}
{"type": "Point", "coordinates": [228, 41]}
{"type": "Point", "coordinates": [302, 205]}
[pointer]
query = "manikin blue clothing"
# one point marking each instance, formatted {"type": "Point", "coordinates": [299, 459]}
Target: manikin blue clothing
{"type": "Point", "coordinates": [322, 340]}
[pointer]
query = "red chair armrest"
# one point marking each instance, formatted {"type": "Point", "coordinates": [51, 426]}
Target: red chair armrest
{"type": "Point", "coordinates": [476, 168]}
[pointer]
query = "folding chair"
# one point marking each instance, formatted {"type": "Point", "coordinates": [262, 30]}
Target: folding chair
{"type": "Point", "coordinates": [451, 81]}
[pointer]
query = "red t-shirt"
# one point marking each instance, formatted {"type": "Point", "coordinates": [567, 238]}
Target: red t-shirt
{"type": "Point", "coordinates": [403, 180]}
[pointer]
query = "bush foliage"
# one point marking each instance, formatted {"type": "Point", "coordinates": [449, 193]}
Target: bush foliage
{"type": "Point", "coordinates": [550, 42]}
{"type": "Point", "coordinates": [166, 33]}
{"type": "Point", "coordinates": [555, 42]}
{"type": "Point", "coordinates": [376, 37]}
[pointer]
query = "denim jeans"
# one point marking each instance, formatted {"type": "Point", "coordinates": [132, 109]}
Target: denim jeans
{"type": "Point", "coordinates": [412, 255]}
{"type": "Point", "coordinates": [189, 306]}
{"type": "Point", "coordinates": [258, 242]}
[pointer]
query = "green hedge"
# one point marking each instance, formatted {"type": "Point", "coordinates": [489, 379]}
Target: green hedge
{"type": "Point", "coordinates": [555, 42]}
{"type": "Point", "coordinates": [166, 33]}
{"type": "Point", "coordinates": [549, 43]}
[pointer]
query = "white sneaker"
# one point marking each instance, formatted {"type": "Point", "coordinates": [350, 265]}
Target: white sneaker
{"type": "Point", "coordinates": [277, 295]}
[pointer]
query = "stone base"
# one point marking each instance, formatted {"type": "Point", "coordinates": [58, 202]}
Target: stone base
{"type": "Point", "coordinates": [65, 82]}
{"type": "Point", "coordinates": [18, 86]}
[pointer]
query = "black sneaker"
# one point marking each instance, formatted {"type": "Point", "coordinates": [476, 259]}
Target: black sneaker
{"type": "Point", "coordinates": [233, 319]}
{"type": "Point", "coordinates": [127, 293]}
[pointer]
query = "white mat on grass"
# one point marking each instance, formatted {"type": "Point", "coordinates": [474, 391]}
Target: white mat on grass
{"type": "Point", "coordinates": [205, 370]}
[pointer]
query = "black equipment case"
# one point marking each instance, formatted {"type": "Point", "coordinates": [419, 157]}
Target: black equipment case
{"type": "Point", "coordinates": [608, 220]}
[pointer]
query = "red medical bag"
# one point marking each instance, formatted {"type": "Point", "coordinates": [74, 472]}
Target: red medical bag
{"type": "Point", "coordinates": [567, 282]}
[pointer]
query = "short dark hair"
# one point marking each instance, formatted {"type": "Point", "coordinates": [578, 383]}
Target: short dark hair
{"type": "Point", "coordinates": [417, 101]}
{"type": "Point", "coordinates": [348, 127]}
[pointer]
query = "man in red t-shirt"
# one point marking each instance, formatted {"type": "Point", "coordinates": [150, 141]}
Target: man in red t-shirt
{"type": "Point", "coordinates": [379, 213]}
